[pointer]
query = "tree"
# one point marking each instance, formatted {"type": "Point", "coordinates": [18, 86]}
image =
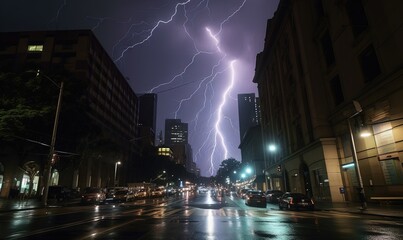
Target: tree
{"type": "Point", "coordinates": [226, 170]}
{"type": "Point", "coordinates": [27, 111]}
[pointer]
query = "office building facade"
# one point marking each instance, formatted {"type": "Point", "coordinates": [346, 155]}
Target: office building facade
{"type": "Point", "coordinates": [329, 69]}
{"type": "Point", "coordinates": [112, 106]}
{"type": "Point", "coordinates": [248, 112]}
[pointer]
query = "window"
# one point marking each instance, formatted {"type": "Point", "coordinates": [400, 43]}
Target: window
{"type": "Point", "coordinates": [35, 48]}
{"type": "Point", "coordinates": [357, 16]}
{"type": "Point", "coordinates": [392, 171]}
{"type": "Point", "coordinates": [327, 49]}
{"type": "Point", "coordinates": [369, 64]}
{"type": "Point", "coordinates": [337, 91]}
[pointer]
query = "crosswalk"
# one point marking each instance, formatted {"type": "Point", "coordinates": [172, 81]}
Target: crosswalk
{"type": "Point", "coordinates": [166, 212]}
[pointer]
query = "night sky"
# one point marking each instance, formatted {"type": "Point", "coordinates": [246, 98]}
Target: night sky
{"type": "Point", "coordinates": [197, 55]}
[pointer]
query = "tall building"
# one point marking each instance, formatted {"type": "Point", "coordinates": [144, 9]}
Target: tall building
{"type": "Point", "coordinates": [176, 132]}
{"type": "Point", "coordinates": [147, 117]}
{"type": "Point", "coordinates": [176, 136]}
{"type": "Point", "coordinates": [112, 105]}
{"type": "Point", "coordinates": [148, 110]}
{"type": "Point", "coordinates": [328, 70]}
{"type": "Point", "coordinates": [248, 111]}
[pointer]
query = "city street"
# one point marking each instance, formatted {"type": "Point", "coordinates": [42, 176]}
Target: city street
{"type": "Point", "coordinates": [192, 216]}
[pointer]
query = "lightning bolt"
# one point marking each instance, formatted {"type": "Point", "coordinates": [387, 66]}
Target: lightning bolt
{"type": "Point", "coordinates": [218, 132]}
{"type": "Point", "coordinates": [215, 133]}
{"type": "Point", "coordinates": [152, 30]}
{"type": "Point", "coordinates": [58, 13]}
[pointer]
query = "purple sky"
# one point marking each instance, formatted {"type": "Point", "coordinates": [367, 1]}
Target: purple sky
{"type": "Point", "coordinates": [172, 55]}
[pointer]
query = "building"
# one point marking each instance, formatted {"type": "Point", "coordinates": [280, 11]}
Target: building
{"type": "Point", "coordinates": [251, 136]}
{"type": "Point", "coordinates": [112, 106]}
{"type": "Point", "coordinates": [176, 132]}
{"type": "Point", "coordinates": [252, 155]}
{"type": "Point", "coordinates": [248, 112]}
{"type": "Point", "coordinates": [148, 116]}
{"type": "Point", "coordinates": [328, 69]}
{"type": "Point", "coordinates": [176, 137]}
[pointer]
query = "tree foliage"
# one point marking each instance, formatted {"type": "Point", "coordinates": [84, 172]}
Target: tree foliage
{"type": "Point", "coordinates": [27, 113]}
{"type": "Point", "coordinates": [226, 170]}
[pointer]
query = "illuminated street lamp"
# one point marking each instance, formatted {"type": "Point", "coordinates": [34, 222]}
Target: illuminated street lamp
{"type": "Point", "coordinates": [272, 148]}
{"type": "Point", "coordinates": [48, 166]}
{"type": "Point", "coordinates": [115, 177]}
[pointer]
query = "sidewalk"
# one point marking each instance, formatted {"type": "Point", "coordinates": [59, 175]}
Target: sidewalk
{"type": "Point", "coordinates": [375, 209]}
{"type": "Point", "coordinates": [7, 205]}
{"type": "Point", "coordinates": [395, 211]}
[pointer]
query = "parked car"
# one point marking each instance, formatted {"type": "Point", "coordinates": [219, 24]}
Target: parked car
{"type": "Point", "coordinates": [242, 192]}
{"type": "Point", "coordinates": [123, 196]}
{"type": "Point", "coordinates": [255, 198]}
{"type": "Point", "coordinates": [295, 201]}
{"type": "Point", "coordinates": [93, 195]}
{"type": "Point", "coordinates": [158, 192]}
{"type": "Point", "coordinates": [273, 195]}
{"type": "Point", "coordinates": [142, 193]}
{"type": "Point", "coordinates": [110, 193]}
{"type": "Point", "coordinates": [60, 193]}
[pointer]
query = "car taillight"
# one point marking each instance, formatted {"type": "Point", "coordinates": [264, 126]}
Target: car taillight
{"type": "Point", "coordinates": [291, 199]}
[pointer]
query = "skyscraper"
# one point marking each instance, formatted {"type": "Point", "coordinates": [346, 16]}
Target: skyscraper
{"type": "Point", "coordinates": [249, 112]}
{"type": "Point", "coordinates": [148, 116]}
{"type": "Point", "coordinates": [176, 137]}
{"type": "Point", "coordinates": [176, 132]}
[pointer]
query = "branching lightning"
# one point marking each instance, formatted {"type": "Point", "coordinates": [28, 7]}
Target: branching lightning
{"type": "Point", "coordinates": [214, 136]}
{"type": "Point", "coordinates": [152, 30]}
{"type": "Point", "coordinates": [218, 132]}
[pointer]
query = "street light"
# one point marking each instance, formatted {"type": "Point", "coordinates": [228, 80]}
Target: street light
{"type": "Point", "coordinates": [355, 158]}
{"type": "Point", "coordinates": [115, 177]}
{"type": "Point", "coordinates": [48, 166]}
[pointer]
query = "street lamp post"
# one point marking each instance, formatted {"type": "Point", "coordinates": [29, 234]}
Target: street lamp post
{"type": "Point", "coordinates": [361, 191]}
{"type": "Point", "coordinates": [48, 166]}
{"type": "Point", "coordinates": [115, 177]}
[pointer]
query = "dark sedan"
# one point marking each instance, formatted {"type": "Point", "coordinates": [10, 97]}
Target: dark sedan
{"type": "Point", "coordinates": [295, 201]}
{"type": "Point", "coordinates": [255, 197]}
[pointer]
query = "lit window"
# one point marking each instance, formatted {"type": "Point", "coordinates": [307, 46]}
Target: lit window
{"type": "Point", "coordinates": [35, 48]}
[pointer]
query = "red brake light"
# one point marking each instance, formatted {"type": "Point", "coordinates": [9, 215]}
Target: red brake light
{"type": "Point", "coordinates": [291, 200]}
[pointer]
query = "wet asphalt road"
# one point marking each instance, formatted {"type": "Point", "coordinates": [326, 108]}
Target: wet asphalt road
{"type": "Point", "coordinates": [192, 216]}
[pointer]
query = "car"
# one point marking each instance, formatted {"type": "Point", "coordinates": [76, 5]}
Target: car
{"type": "Point", "coordinates": [273, 195]}
{"type": "Point", "coordinates": [61, 193]}
{"type": "Point", "coordinates": [242, 192]}
{"type": "Point", "coordinates": [158, 192]}
{"type": "Point", "coordinates": [141, 193]}
{"type": "Point", "coordinates": [124, 195]}
{"type": "Point", "coordinates": [93, 195]}
{"type": "Point", "coordinates": [295, 201]}
{"type": "Point", "coordinates": [255, 198]}
{"type": "Point", "coordinates": [110, 193]}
